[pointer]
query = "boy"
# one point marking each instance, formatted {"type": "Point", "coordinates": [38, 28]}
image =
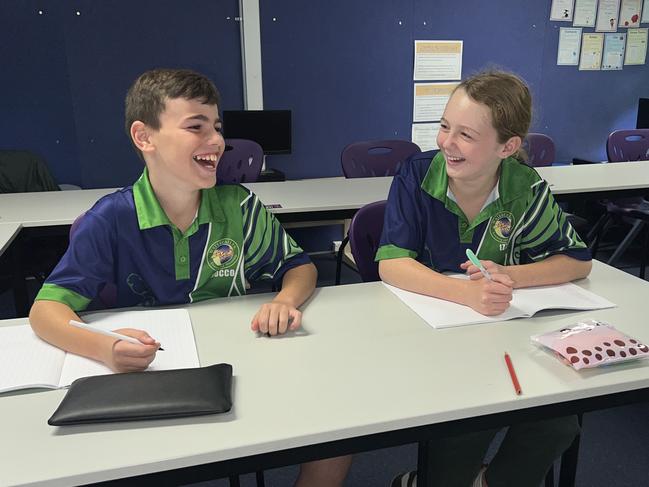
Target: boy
{"type": "Point", "coordinates": [173, 237]}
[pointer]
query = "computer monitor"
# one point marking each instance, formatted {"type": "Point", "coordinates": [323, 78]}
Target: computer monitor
{"type": "Point", "coordinates": [271, 129]}
{"type": "Point", "coordinates": [643, 114]}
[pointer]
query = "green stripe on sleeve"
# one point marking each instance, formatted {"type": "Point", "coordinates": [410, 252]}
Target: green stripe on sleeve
{"type": "Point", "coordinates": [393, 252]}
{"type": "Point", "coordinates": [52, 292]}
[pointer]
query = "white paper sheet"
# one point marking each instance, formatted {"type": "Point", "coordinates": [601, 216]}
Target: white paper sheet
{"type": "Point", "coordinates": [607, 15]}
{"type": "Point", "coordinates": [585, 13]}
{"type": "Point", "coordinates": [614, 44]}
{"type": "Point", "coordinates": [430, 100]}
{"type": "Point", "coordinates": [171, 327]}
{"type": "Point", "coordinates": [439, 313]}
{"type": "Point", "coordinates": [561, 10]}
{"type": "Point", "coordinates": [26, 360]}
{"type": "Point", "coordinates": [569, 46]}
{"type": "Point", "coordinates": [630, 13]}
{"type": "Point", "coordinates": [592, 46]}
{"type": "Point", "coordinates": [636, 46]}
{"type": "Point", "coordinates": [438, 60]}
{"type": "Point", "coordinates": [425, 135]}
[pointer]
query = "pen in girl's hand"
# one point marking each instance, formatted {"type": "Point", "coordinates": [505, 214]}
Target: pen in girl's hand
{"type": "Point", "coordinates": [476, 262]}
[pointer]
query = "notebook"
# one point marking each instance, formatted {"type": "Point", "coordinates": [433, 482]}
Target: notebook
{"type": "Point", "coordinates": [26, 361]}
{"type": "Point", "coordinates": [525, 303]}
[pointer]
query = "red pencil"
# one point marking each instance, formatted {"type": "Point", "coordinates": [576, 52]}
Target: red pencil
{"type": "Point", "coordinates": [512, 374]}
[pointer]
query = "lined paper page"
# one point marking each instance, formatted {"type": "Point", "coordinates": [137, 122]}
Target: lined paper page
{"type": "Point", "coordinates": [26, 360]}
{"type": "Point", "coordinates": [171, 327]}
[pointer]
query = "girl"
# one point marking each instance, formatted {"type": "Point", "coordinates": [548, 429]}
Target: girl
{"type": "Point", "coordinates": [475, 193]}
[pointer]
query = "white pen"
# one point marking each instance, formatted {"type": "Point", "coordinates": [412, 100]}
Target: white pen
{"type": "Point", "coordinates": [86, 326]}
{"type": "Point", "coordinates": [476, 262]}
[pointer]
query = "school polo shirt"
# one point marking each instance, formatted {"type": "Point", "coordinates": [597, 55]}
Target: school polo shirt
{"type": "Point", "coordinates": [520, 223]}
{"type": "Point", "coordinates": [126, 239]}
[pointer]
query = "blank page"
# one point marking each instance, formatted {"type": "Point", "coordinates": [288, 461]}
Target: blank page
{"type": "Point", "coordinates": [439, 313]}
{"type": "Point", "coordinates": [26, 360]}
{"type": "Point", "coordinates": [171, 327]}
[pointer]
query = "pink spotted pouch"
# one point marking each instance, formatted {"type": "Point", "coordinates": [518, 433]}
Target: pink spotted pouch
{"type": "Point", "coordinates": [591, 343]}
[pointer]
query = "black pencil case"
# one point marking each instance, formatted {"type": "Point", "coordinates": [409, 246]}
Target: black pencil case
{"type": "Point", "coordinates": [136, 396]}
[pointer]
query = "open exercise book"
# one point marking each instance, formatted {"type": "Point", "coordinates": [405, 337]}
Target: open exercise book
{"type": "Point", "coordinates": [526, 302]}
{"type": "Point", "coordinates": [27, 361]}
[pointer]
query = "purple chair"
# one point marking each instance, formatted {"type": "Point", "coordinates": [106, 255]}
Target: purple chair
{"type": "Point", "coordinates": [372, 158]}
{"type": "Point", "coordinates": [364, 238]}
{"type": "Point", "coordinates": [540, 149]}
{"type": "Point", "coordinates": [240, 163]}
{"type": "Point", "coordinates": [624, 146]}
{"type": "Point", "coordinates": [375, 157]}
{"type": "Point", "coordinates": [107, 297]}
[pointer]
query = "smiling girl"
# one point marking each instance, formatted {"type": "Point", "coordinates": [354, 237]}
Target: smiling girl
{"type": "Point", "coordinates": [476, 194]}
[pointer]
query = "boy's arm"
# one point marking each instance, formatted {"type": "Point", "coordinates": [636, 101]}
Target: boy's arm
{"type": "Point", "coordinates": [556, 269]}
{"type": "Point", "coordinates": [281, 314]}
{"type": "Point", "coordinates": [488, 298]}
{"type": "Point", "coordinates": [49, 320]}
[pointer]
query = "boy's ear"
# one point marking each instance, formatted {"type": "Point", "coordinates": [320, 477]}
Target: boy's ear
{"type": "Point", "coordinates": [141, 136]}
{"type": "Point", "coordinates": [511, 146]}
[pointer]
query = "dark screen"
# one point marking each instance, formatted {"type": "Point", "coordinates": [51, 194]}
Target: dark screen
{"type": "Point", "coordinates": [643, 114]}
{"type": "Point", "coordinates": [271, 129]}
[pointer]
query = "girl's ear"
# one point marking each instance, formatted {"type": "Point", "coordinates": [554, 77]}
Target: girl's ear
{"type": "Point", "coordinates": [511, 147]}
{"type": "Point", "coordinates": [141, 136]}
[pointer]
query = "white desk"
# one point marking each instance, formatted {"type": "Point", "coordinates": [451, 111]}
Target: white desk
{"type": "Point", "coordinates": [367, 373]}
{"type": "Point", "coordinates": [8, 232]}
{"type": "Point", "coordinates": [308, 198]}
{"type": "Point", "coordinates": [597, 180]}
{"type": "Point", "coordinates": [337, 197]}
{"type": "Point", "coordinates": [48, 208]}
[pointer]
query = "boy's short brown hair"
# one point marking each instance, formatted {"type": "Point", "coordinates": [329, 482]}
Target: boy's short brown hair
{"type": "Point", "coordinates": [146, 98]}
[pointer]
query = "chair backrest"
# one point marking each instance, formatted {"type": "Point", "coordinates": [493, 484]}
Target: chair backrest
{"type": "Point", "coordinates": [240, 163]}
{"type": "Point", "coordinates": [540, 149]}
{"type": "Point", "coordinates": [628, 145]}
{"type": "Point", "coordinates": [375, 157]}
{"type": "Point", "coordinates": [23, 171]}
{"type": "Point", "coordinates": [108, 294]}
{"type": "Point", "coordinates": [364, 238]}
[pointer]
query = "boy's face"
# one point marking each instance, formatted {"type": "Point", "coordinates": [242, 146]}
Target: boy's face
{"type": "Point", "coordinates": [469, 140]}
{"type": "Point", "coordinates": [185, 151]}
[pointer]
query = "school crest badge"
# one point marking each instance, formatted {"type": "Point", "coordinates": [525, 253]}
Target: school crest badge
{"type": "Point", "coordinates": [502, 225]}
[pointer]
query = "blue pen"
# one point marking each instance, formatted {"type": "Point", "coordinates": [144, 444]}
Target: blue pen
{"type": "Point", "coordinates": [476, 262]}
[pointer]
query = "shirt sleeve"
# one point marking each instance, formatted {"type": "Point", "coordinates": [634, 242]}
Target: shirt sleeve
{"type": "Point", "coordinates": [85, 267]}
{"type": "Point", "coordinates": [402, 234]}
{"type": "Point", "coordinates": [268, 250]}
{"type": "Point", "coordinates": [546, 230]}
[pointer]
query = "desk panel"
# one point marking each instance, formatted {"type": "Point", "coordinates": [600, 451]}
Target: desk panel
{"type": "Point", "coordinates": [365, 372]}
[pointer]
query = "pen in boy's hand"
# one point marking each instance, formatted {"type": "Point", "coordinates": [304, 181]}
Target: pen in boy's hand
{"type": "Point", "coordinates": [476, 262]}
{"type": "Point", "coordinates": [86, 326]}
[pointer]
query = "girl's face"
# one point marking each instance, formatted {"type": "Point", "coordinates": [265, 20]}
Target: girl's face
{"type": "Point", "coordinates": [469, 141]}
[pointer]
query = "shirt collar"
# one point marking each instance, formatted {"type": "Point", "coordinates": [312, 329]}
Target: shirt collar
{"type": "Point", "coordinates": [516, 182]}
{"type": "Point", "coordinates": [150, 214]}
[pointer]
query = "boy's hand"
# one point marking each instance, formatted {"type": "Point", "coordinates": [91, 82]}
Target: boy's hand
{"type": "Point", "coordinates": [129, 357]}
{"type": "Point", "coordinates": [490, 297]}
{"type": "Point", "coordinates": [492, 268]}
{"type": "Point", "coordinates": [276, 318]}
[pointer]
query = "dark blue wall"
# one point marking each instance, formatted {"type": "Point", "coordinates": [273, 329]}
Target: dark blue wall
{"type": "Point", "coordinates": [66, 75]}
{"type": "Point", "coordinates": [344, 68]}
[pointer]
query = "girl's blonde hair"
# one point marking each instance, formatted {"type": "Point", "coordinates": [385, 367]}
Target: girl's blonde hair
{"type": "Point", "coordinates": [508, 99]}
